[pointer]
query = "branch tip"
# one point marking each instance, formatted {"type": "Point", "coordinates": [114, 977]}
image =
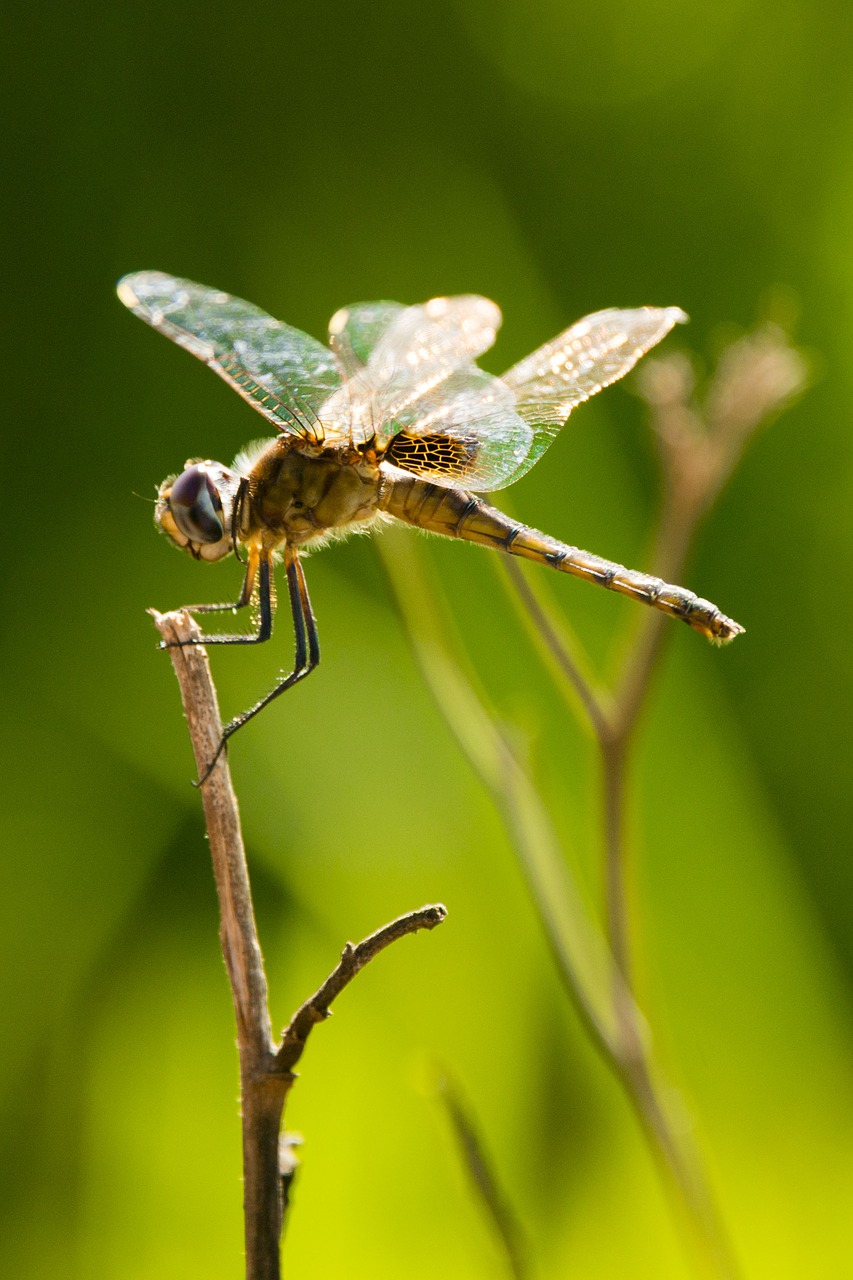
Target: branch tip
{"type": "Point", "coordinates": [353, 959]}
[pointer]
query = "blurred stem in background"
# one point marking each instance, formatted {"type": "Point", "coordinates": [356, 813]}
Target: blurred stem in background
{"type": "Point", "coordinates": [484, 1179]}
{"type": "Point", "coordinates": [699, 447]}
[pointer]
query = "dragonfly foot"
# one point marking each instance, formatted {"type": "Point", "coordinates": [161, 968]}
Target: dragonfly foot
{"type": "Point", "coordinates": [179, 644]}
{"type": "Point", "coordinates": [209, 770]}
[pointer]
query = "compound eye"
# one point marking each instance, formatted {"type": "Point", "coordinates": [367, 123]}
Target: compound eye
{"type": "Point", "coordinates": [196, 506]}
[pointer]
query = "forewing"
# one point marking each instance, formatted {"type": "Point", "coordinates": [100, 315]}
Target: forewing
{"type": "Point", "coordinates": [283, 373]}
{"type": "Point", "coordinates": [596, 351]}
{"type": "Point", "coordinates": [466, 432]}
{"type": "Point", "coordinates": [410, 354]}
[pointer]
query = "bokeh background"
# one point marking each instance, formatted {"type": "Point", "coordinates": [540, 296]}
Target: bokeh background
{"type": "Point", "coordinates": [558, 157]}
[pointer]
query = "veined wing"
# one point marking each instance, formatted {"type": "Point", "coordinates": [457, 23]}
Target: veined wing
{"type": "Point", "coordinates": [410, 353]}
{"type": "Point", "coordinates": [464, 432]}
{"type": "Point", "coordinates": [484, 432]}
{"type": "Point", "coordinates": [354, 331]}
{"type": "Point", "coordinates": [283, 373]}
{"type": "Point", "coordinates": [596, 351]}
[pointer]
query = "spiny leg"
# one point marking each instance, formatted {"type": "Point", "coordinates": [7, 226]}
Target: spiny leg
{"type": "Point", "coordinates": [260, 569]}
{"type": "Point", "coordinates": [310, 620]}
{"type": "Point", "coordinates": [307, 650]}
{"type": "Point", "coordinates": [243, 598]}
{"type": "Point", "coordinates": [233, 605]}
{"type": "Point", "coordinates": [306, 655]}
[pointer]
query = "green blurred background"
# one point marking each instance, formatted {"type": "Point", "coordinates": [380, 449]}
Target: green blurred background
{"type": "Point", "coordinates": [558, 157]}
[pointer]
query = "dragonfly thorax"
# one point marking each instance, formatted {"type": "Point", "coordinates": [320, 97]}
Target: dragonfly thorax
{"type": "Point", "coordinates": [297, 494]}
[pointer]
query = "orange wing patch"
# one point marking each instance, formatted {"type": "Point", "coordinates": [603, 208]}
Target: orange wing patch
{"type": "Point", "coordinates": [433, 454]}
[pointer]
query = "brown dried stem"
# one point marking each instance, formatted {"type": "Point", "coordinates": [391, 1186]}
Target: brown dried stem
{"type": "Point", "coordinates": [263, 1085]}
{"type": "Point", "coordinates": [266, 1068]}
{"type": "Point", "coordinates": [755, 378]}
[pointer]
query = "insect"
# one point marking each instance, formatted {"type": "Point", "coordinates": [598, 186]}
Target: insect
{"type": "Point", "coordinates": [392, 420]}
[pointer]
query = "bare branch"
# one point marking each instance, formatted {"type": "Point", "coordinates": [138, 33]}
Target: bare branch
{"type": "Point", "coordinates": [353, 959]}
{"type": "Point", "coordinates": [266, 1076]}
{"type": "Point", "coordinates": [239, 934]}
{"type": "Point", "coordinates": [263, 1087]}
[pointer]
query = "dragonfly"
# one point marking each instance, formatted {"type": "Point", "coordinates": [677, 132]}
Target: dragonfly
{"type": "Point", "coordinates": [392, 420]}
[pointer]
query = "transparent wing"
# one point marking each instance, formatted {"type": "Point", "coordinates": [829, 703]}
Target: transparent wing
{"type": "Point", "coordinates": [465, 432]}
{"type": "Point", "coordinates": [354, 331]}
{"type": "Point", "coordinates": [285, 374]}
{"type": "Point", "coordinates": [486, 432]}
{"type": "Point", "coordinates": [424, 344]}
{"type": "Point", "coordinates": [410, 353]}
{"type": "Point", "coordinates": [596, 351]}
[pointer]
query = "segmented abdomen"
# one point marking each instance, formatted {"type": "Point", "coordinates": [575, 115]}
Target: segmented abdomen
{"type": "Point", "coordinates": [456, 513]}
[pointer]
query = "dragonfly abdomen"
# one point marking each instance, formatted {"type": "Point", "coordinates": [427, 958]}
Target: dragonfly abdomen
{"type": "Point", "coordinates": [458, 514]}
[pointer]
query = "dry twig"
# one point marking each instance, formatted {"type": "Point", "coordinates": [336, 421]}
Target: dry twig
{"type": "Point", "coordinates": [266, 1068]}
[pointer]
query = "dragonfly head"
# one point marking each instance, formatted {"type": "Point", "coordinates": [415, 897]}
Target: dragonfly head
{"type": "Point", "coordinates": [195, 509]}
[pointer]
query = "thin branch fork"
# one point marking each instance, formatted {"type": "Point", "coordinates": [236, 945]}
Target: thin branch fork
{"type": "Point", "coordinates": [352, 961]}
{"type": "Point", "coordinates": [266, 1068]}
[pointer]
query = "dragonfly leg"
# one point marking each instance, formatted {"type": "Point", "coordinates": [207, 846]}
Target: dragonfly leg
{"type": "Point", "coordinates": [232, 605]}
{"type": "Point", "coordinates": [306, 655]}
{"type": "Point", "coordinates": [241, 601]}
{"type": "Point", "coordinates": [260, 569]}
